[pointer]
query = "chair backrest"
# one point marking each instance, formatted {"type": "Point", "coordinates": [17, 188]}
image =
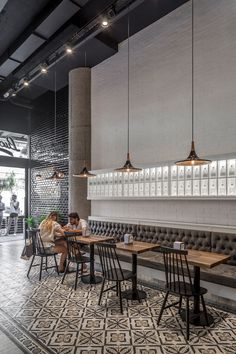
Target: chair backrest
{"type": "Point", "coordinates": [178, 277]}
{"type": "Point", "coordinates": [111, 268]}
{"type": "Point", "coordinates": [38, 247]}
{"type": "Point", "coordinates": [73, 248]}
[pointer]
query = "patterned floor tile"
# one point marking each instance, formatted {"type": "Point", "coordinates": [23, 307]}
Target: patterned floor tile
{"type": "Point", "coordinates": [119, 350]}
{"type": "Point", "coordinates": [120, 338]}
{"type": "Point", "coordinates": [63, 338]}
{"type": "Point", "coordinates": [49, 317]}
{"type": "Point", "coordinates": [91, 338]}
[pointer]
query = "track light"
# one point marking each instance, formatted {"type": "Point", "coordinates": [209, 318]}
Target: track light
{"type": "Point", "coordinates": [69, 50]}
{"type": "Point", "coordinates": [44, 69]}
{"type": "Point", "coordinates": [105, 23]}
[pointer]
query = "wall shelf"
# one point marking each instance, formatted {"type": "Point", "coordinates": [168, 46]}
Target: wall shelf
{"type": "Point", "coordinates": [208, 182]}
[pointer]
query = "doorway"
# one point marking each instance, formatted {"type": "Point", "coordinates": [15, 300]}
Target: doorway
{"type": "Point", "coordinates": [12, 203]}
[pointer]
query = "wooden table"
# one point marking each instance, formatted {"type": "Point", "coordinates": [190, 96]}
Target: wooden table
{"type": "Point", "coordinates": [91, 278]}
{"type": "Point", "coordinates": [207, 260]}
{"type": "Point", "coordinates": [135, 248]}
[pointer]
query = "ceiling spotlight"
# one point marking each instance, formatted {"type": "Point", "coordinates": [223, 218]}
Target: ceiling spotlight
{"type": "Point", "coordinates": [105, 23]}
{"type": "Point", "coordinates": [26, 83]}
{"type": "Point", "coordinates": [6, 94]}
{"type": "Point", "coordinates": [44, 69]}
{"type": "Point", "coordinates": [69, 50]}
{"type": "Point", "coordinates": [13, 94]}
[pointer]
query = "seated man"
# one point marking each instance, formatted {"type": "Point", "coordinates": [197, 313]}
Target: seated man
{"type": "Point", "coordinates": [75, 223]}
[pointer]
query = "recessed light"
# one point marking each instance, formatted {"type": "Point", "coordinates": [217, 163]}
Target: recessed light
{"type": "Point", "coordinates": [26, 83]}
{"type": "Point", "coordinates": [13, 94]}
{"type": "Point", "coordinates": [105, 23]}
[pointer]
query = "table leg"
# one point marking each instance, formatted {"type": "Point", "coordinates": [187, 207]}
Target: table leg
{"type": "Point", "coordinates": [196, 316]}
{"type": "Point", "coordinates": [91, 278]}
{"type": "Point", "coordinates": [134, 293]}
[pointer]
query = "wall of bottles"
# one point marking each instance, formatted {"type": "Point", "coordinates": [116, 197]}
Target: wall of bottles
{"type": "Point", "coordinates": [215, 180]}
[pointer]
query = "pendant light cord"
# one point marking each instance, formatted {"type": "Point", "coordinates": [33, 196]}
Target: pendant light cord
{"type": "Point", "coordinates": [192, 70]}
{"type": "Point", "coordinates": [128, 32]}
{"type": "Point", "coordinates": [55, 106]}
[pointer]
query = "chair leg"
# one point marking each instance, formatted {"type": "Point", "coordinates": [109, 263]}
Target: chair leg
{"type": "Point", "coordinates": [46, 264]}
{"type": "Point", "coordinates": [65, 272]}
{"type": "Point", "coordinates": [41, 268]}
{"type": "Point", "coordinates": [180, 303]}
{"type": "Point", "coordinates": [31, 263]}
{"type": "Point", "coordinates": [101, 291]}
{"type": "Point", "coordinates": [76, 276]}
{"type": "Point", "coordinates": [163, 307]}
{"type": "Point", "coordinates": [55, 260]}
{"type": "Point", "coordinates": [120, 298]}
{"type": "Point", "coordinates": [204, 310]}
{"type": "Point", "coordinates": [187, 318]}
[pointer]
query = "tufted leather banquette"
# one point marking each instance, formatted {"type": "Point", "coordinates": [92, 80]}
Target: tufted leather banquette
{"type": "Point", "coordinates": [199, 240]}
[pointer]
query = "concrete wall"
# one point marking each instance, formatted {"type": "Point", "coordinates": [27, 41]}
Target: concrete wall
{"type": "Point", "coordinates": [160, 102]}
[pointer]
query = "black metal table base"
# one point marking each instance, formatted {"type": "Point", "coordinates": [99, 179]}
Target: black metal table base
{"type": "Point", "coordinates": [132, 295]}
{"type": "Point", "coordinates": [197, 319]}
{"type": "Point", "coordinates": [87, 279]}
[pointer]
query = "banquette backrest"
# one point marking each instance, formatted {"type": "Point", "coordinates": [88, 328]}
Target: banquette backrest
{"type": "Point", "coordinates": [193, 239]}
{"type": "Point", "coordinates": [224, 243]}
{"type": "Point", "coordinates": [116, 230]}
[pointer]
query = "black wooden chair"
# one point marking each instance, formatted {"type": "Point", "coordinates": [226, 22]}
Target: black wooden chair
{"type": "Point", "coordinates": [40, 251]}
{"type": "Point", "coordinates": [179, 282]}
{"type": "Point", "coordinates": [111, 270]}
{"type": "Point", "coordinates": [75, 256]}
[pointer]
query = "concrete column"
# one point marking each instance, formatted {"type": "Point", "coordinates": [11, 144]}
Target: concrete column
{"type": "Point", "coordinates": [79, 138]}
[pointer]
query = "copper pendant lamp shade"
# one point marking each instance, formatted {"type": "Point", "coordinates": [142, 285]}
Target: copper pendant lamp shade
{"type": "Point", "coordinates": [193, 159]}
{"type": "Point", "coordinates": [84, 173]}
{"type": "Point", "coordinates": [128, 167]}
{"type": "Point", "coordinates": [57, 175]}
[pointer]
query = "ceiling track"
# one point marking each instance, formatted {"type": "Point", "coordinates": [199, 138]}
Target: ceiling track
{"type": "Point", "coordinates": [93, 28]}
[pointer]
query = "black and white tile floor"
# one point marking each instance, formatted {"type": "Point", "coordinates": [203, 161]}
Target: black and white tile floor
{"type": "Point", "coordinates": [47, 317]}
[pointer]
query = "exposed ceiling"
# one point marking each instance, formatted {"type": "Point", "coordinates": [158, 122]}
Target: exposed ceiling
{"type": "Point", "coordinates": [33, 33]}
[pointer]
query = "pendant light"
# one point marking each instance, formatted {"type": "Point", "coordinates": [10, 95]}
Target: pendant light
{"type": "Point", "coordinates": [57, 174]}
{"type": "Point", "coordinates": [193, 159]}
{"type": "Point", "coordinates": [128, 167]}
{"type": "Point", "coordinates": [84, 173]}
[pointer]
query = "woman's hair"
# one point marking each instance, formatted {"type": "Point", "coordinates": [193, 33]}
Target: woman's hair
{"type": "Point", "coordinates": [47, 223]}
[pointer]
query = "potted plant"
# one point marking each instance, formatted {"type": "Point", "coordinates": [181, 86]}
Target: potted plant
{"type": "Point", "coordinates": [30, 222]}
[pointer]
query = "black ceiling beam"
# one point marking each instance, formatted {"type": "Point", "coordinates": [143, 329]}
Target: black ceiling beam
{"type": "Point", "coordinates": [108, 41]}
{"type": "Point", "coordinates": [90, 11]}
{"type": "Point", "coordinates": [37, 20]}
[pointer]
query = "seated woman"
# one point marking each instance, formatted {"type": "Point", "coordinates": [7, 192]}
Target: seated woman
{"type": "Point", "coordinates": [52, 236]}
